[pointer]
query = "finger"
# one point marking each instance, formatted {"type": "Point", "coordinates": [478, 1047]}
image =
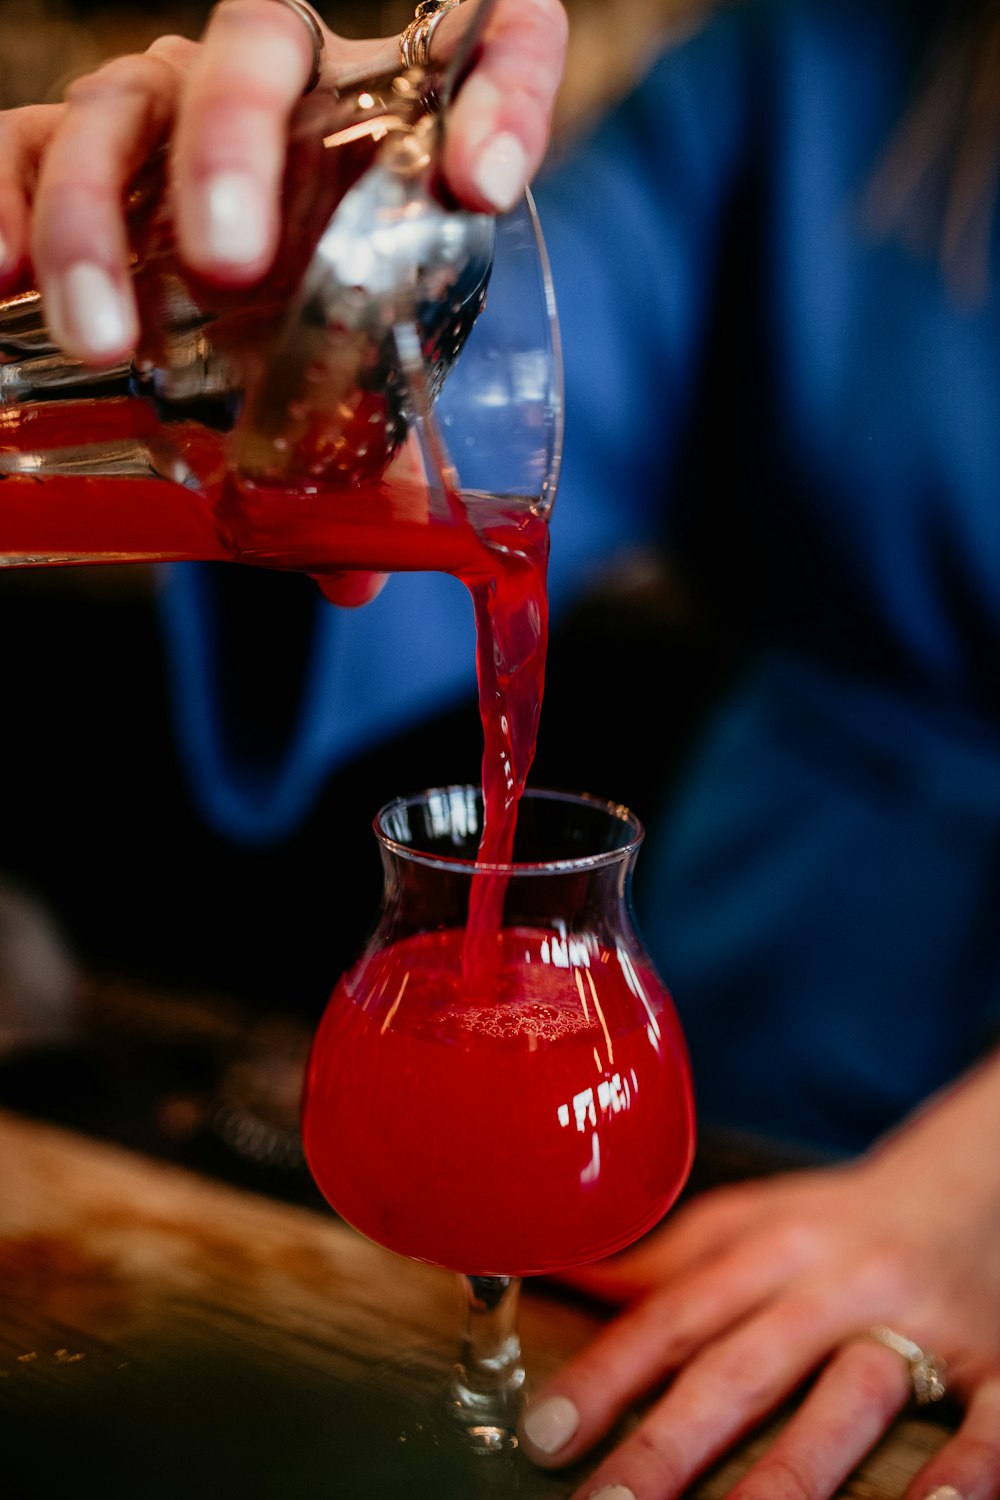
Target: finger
{"type": "Point", "coordinates": [967, 1467]}
{"type": "Point", "coordinates": [851, 1406]}
{"type": "Point", "coordinates": [114, 119]}
{"type": "Point", "coordinates": [686, 1241]}
{"type": "Point", "coordinates": [23, 135]}
{"type": "Point", "coordinates": [499, 124]}
{"type": "Point", "coordinates": [712, 1403]}
{"type": "Point", "coordinates": [734, 1375]}
{"type": "Point", "coordinates": [229, 147]}
{"type": "Point", "coordinates": [636, 1352]}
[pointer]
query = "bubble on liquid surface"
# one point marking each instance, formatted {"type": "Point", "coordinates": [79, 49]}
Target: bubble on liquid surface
{"type": "Point", "coordinates": [531, 1020]}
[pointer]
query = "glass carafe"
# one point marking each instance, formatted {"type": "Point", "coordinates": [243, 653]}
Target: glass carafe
{"type": "Point", "coordinates": [227, 439]}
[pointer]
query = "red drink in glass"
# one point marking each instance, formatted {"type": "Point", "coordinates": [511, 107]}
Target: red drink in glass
{"type": "Point", "coordinates": [545, 1122]}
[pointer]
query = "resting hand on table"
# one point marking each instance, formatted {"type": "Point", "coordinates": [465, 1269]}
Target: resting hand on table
{"type": "Point", "coordinates": [753, 1290]}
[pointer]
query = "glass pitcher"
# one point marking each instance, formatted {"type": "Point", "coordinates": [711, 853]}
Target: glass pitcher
{"type": "Point", "coordinates": [274, 429]}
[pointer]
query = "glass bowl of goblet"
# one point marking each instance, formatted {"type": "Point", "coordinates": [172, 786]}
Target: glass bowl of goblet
{"type": "Point", "coordinates": [500, 1085]}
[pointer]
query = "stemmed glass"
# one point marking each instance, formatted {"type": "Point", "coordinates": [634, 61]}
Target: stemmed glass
{"type": "Point", "coordinates": [499, 1085]}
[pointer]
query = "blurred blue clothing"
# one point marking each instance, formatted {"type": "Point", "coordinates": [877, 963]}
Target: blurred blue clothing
{"type": "Point", "coordinates": [795, 402]}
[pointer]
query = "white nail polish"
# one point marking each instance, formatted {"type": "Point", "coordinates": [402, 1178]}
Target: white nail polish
{"type": "Point", "coordinates": [502, 171]}
{"type": "Point", "coordinates": [233, 223]}
{"type": "Point", "coordinates": [478, 105]}
{"type": "Point", "coordinates": [944, 1492]}
{"type": "Point", "coordinates": [612, 1492]}
{"type": "Point", "coordinates": [87, 313]}
{"type": "Point", "coordinates": [550, 1425]}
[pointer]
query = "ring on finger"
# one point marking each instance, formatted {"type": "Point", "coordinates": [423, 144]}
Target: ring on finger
{"type": "Point", "coordinates": [927, 1372]}
{"type": "Point", "coordinates": [415, 40]}
{"type": "Point", "coordinates": [317, 39]}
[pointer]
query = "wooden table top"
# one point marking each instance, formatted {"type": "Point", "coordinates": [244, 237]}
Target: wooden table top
{"type": "Point", "coordinates": [166, 1334]}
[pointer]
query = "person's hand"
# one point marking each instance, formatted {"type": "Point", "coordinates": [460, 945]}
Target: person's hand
{"type": "Point", "coordinates": [222, 107]}
{"type": "Point", "coordinates": [766, 1290]}
{"type": "Point", "coordinates": [224, 104]}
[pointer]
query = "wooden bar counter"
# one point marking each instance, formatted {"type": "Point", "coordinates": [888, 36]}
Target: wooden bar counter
{"type": "Point", "coordinates": [165, 1334]}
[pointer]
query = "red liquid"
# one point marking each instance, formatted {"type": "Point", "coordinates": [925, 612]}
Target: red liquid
{"type": "Point", "coordinates": [381, 526]}
{"type": "Point", "coordinates": [507, 1133]}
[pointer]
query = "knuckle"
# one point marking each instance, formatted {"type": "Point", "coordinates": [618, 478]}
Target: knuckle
{"type": "Point", "coordinates": [876, 1381]}
{"type": "Point", "coordinates": [176, 50]}
{"type": "Point", "coordinates": [14, 131]}
{"type": "Point", "coordinates": [792, 1241]}
{"type": "Point", "coordinates": [659, 1453]}
{"type": "Point", "coordinates": [983, 1452]}
{"type": "Point", "coordinates": [134, 74]}
{"type": "Point", "coordinates": [884, 1278]}
{"type": "Point", "coordinates": [529, 45]}
{"type": "Point", "coordinates": [234, 18]}
{"type": "Point", "coordinates": [23, 131]}
{"type": "Point", "coordinates": [550, 15]}
{"type": "Point", "coordinates": [743, 1372]}
{"type": "Point", "coordinates": [779, 1476]}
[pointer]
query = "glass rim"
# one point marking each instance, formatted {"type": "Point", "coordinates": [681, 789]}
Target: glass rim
{"type": "Point", "coordinates": [558, 384]}
{"type": "Point", "coordinates": [570, 864]}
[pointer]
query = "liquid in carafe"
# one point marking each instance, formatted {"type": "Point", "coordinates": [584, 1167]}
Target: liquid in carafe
{"type": "Point", "coordinates": [245, 427]}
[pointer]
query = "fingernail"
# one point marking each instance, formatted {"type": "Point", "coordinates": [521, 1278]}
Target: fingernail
{"type": "Point", "coordinates": [500, 169]}
{"type": "Point", "coordinates": [612, 1492]}
{"type": "Point", "coordinates": [944, 1492]}
{"type": "Point", "coordinates": [229, 224]}
{"type": "Point", "coordinates": [86, 311]}
{"type": "Point", "coordinates": [501, 172]}
{"type": "Point", "coordinates": [550, 1424]}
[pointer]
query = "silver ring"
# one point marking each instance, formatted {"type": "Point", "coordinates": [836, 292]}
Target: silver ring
{"type": "Point", "coordinates": [312, 23]}
{"type": "Point", "coordinates": [415, 40]}
{"type": "Point", "coordinates": [927, 1372]}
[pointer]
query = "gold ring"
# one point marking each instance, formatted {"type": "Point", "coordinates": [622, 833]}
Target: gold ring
{"type": "Point", "coordinates": [927, 1372]}
{"type": "Point", "coordinates": [415, 40]}
{"type": "Point", "coordinates": [313, 25]}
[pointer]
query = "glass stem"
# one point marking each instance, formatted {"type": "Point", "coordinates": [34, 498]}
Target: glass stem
{"type": "Point", "coordinates": [487, 1386]}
